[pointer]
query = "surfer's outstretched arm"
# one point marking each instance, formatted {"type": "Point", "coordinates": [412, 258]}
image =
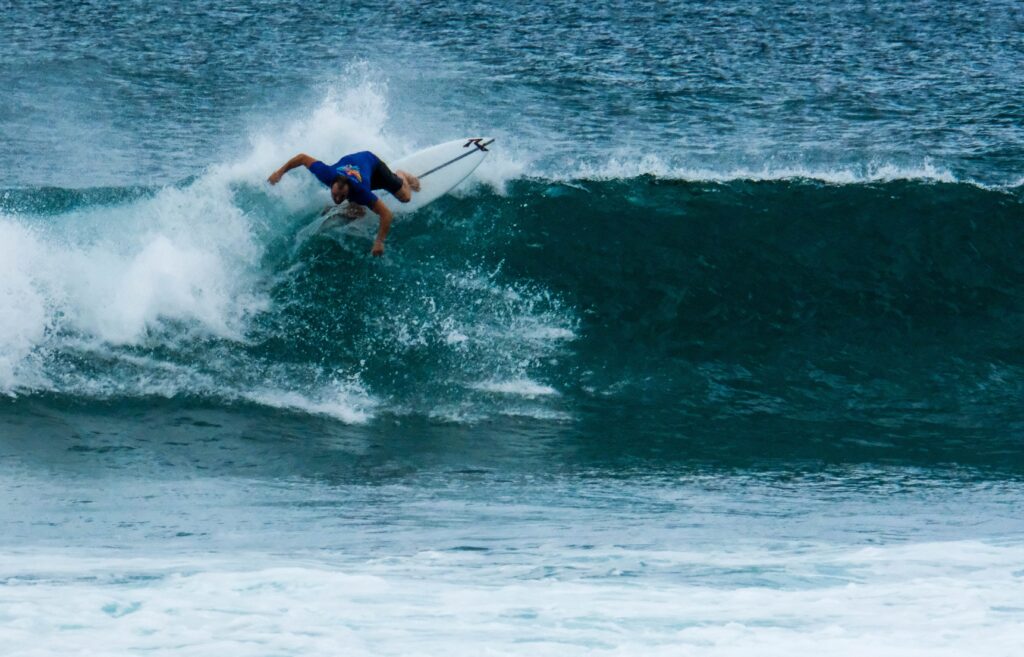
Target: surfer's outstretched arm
{"type": "Point", "coordinates": [299, 160]}
{"type": "Point", "coordinates": [385, 225]}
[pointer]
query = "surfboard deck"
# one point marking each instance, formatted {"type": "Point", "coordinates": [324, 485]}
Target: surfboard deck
{"type": "Point", "coordinates": [440, 169]}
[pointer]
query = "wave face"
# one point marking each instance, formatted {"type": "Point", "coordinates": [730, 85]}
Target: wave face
{"type": "Point", "coordinates": [882, 306]}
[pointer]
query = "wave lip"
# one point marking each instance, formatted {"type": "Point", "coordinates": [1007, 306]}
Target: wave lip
{"type": "Point", "coordinates": [625, 168]}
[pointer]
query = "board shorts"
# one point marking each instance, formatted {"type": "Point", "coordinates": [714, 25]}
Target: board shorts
{"type": "Point", "coordinates": [383, 178]}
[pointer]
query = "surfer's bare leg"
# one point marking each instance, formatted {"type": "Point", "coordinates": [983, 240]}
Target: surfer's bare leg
{"type": "Point", "coordinates": [410, 184]}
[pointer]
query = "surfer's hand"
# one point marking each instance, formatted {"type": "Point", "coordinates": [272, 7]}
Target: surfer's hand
{"type": "Point", "coordinates": [275, 177]}
{"type": "Point", "coordinates": [378, 248]}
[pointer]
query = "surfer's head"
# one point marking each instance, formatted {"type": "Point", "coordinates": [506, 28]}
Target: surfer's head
{"type": "Point", "coordinates": [339, 189]}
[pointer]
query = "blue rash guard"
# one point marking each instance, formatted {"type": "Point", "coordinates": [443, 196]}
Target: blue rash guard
{"type": "Point", "coordinates": [358, 168]}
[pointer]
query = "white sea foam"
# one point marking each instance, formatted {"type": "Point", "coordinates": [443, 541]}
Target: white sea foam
{"type": "Point", "coordinates": [536, 413]}
{"type": "Point", "coordinates": [521, 387]}
{"type": "Point", "coordinates": [24, 316]}
{"type": "Point", "coordinates": [125, 274]}
{"type": "Point", "coordinates": [548, 333]}
{"type": "Point", "coordinates": [354, 119]}
{"type": "Point", "coordinates": [497, 170]}
{"type": "Point", "coordinates": [347, 401]}
{"type": "Point", "coordinates": [343, 122]}
{"type": "Point", "coordinates": [935, 599]}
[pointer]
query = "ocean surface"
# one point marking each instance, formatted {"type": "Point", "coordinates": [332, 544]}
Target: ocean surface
{"type": "Point", "coordinates": [720, 352]}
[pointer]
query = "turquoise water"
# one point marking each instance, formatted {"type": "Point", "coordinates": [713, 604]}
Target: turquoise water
{"type": "Point", "coordinates": [717, 353]}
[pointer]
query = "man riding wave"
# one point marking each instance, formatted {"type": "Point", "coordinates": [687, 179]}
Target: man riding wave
{"type": "Point", "coordinates": [354, 177]}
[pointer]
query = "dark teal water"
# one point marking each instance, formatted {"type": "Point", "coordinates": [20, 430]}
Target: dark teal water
{"type": "Point", "coordinates": [719, 352]}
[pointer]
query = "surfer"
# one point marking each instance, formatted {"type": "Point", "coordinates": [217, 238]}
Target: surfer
{"type": "Point", "coordinates": [353, 178]}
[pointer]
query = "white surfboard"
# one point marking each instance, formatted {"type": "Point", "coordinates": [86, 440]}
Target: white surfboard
{"type": "Point", "coordinates": [440, 169]}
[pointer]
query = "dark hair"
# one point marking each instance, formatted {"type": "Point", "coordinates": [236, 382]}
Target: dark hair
{"type": "Point", "coordinates": [343, 179]}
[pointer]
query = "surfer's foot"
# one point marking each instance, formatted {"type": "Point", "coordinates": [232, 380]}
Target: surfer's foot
{"type": "Point", "coordinates": [411, 180]}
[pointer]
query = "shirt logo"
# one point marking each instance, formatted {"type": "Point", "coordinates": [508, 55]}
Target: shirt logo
{"type": "Point", "coordinates": [352, 171]}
